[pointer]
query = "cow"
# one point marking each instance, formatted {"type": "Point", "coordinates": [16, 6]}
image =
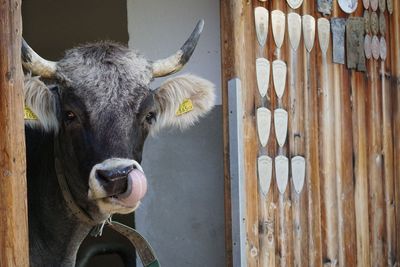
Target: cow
{"type": "Point", "coordinates": [93, 110]}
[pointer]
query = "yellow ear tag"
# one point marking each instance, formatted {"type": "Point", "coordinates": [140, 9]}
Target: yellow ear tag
{"type": "Point", "coordinates": [29, 115]}
{"type": "Point", "coordinates": [185, 107]}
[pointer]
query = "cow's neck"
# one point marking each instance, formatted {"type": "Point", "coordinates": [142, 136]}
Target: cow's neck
{"type": "Point", "coordinates": [54, 234]}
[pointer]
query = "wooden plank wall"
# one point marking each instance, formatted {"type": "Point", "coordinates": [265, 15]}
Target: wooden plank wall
{"type": "Point", "coordinates": [13, 195]}
{"type": "Point", "coordinates": [347, 127]}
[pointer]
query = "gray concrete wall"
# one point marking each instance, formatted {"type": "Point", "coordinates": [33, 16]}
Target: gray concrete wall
{"type": "Point", "coordinates": [182, 214]}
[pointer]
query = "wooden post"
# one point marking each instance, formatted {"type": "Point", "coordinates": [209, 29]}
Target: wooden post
{"type": "Point", "coordinates": [395, 66]}
{"type": "Point", "coordinates": [13, 195]}
{"type": "Point", "coordinates": [238, 60]}
{"type": "Point", "coordinates": [312, 183]}
{"type": "Point", "coordinates": [387, 146]}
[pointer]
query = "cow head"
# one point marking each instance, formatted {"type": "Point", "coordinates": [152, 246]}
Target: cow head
{"type": "Point", "coordinates": [98, 102]}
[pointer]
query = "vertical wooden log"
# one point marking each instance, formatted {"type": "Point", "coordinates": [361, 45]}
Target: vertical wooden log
{"type": "Point", "coordinates": [387, 144]}
{"type": "Point", "coordinates": [360, 168]}
{"type": "Point", "coordinates": [311, 151]}
{"type": "Point", "coordinates": [266, 203]}
{"type": "Point", "coordinates": [358, 80]}
{"type": "Point", "coordinates": [344, 160]}
{"type": "Point", "coordinates": [327, 158]}
{"type": "Point", "coordinates": [375, 165]}
{"type": "Point", "coordinates": [13, 204]}
{"type": "Point", "coordinates": [394, 42]}
{"type": "Point", "coordinates": [297, 148]}
{"type": "Point", "coordinates": [284, 213]}
{"type": "Point", "coordinates": [237, 25]}
{"type": "Point", "coordinates": [272, 218]}
{"type": "Point", "coordinates": [360, 114]}
{"type": "Point", "coordinates": [228, 71]}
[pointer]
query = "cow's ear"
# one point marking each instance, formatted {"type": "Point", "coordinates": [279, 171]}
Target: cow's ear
{"type": "Point", "coordinates": [42, 102]}
{"type": "Point", "coordinates": [182, 100]}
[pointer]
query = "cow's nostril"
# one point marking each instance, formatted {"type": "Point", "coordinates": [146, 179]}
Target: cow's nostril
{"type": "Point", "coordinates": [109, 175]}
{"type": "Point", "coordinates": [114, 181]}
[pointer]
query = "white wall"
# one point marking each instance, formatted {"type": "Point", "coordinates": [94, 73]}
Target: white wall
{"type": "Point", "coordinates": [157, 28]}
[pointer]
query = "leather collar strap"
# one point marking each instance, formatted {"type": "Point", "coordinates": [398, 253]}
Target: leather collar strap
{"type": "Point", "coordinates": [143, 248]}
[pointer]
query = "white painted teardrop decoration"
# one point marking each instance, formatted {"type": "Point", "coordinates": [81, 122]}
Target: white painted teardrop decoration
{"type": "Point", "coordinates": [298, 173]}
{"type": "Point", "coordinates": [282, 172]}
{"type": "Point", "coordinates": [309, 31]}
{"type": "Point", "coordinates": [261, 16]}
{"type": "Point", "coordinates": [263, 71]}
{"type": "Point", "coordinates": [263, 125]}
{"type": "Point", "coordinates": [278, 26]}
{"type": "Point", "coordinates": [264, 173]}
{"type": "Point", "coordinates": [294, 3]}
{"type": "Point", "coordinates": [281, 125]}
{"type": "Point", "coordinates": [279, 70]}
{"type": "Point", "coordinates": [324, 31]}
{"type": "Point", "coordinates": [294, 29]}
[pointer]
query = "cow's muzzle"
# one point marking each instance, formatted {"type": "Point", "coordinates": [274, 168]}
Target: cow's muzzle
{"type": "Point", "coordinates": [119, 179]}
{"type": "Point", "coordinates": [114, 181]}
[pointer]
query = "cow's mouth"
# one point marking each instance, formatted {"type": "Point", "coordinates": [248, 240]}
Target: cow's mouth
{"type": "Point", "coordinates": [131, 189]}
{"type": "Point", "coordinates": [118, 182]}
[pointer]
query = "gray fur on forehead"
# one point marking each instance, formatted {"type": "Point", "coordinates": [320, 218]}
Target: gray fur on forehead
{"type": "Point", "coordinates": [106, 73]}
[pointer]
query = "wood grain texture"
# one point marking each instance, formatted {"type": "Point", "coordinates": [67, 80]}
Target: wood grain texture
{"type": "Point", "coordinates": [327, 158]}
{"type": "Point", "coordinates": [375, 165]}
{"type": "Point", "coordinates": [344, 161]}
{"type": "Point", "coordinates": [387, 144]}
{"type": "Point", "coordinates": [394, 25]}
{"type": "Point", "coordinates": [312, 151]}
{"type": "Point", "coordinates": [297, 148]}
{"type": "Point", "coordinates": [346, 124]}
{"type": "Point", "coordinates": [284, 228]}
{"type": "Point", "coordinates": [13, 204]}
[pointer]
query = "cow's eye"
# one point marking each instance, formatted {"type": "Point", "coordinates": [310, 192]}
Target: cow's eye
{"type": "Point", "coordinates": [150, 117]}
{"type": "Point", "coordinates": [69, 116]}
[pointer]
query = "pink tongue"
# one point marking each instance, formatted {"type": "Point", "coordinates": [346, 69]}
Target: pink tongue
{"type": "Point", "coordinates": [139, 187]}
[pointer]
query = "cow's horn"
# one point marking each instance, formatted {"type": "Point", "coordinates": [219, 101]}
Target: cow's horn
{"type": "Point", "coordinates": [174, 63]}
{"type": "Point", "coordinates": [35, 63]}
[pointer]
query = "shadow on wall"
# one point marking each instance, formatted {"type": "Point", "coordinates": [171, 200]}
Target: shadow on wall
{"type": "Point", "coordinates": [51, 26]}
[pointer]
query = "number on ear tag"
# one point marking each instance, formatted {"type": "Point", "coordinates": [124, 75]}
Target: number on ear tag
{"type": "Point", "coordinates": [185, 107]}
{"type": "Point", "coordinates": [29, 115]}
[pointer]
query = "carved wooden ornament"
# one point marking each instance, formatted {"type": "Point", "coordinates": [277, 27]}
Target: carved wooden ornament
{"type": "Point", "coordinates": [338, 26]}
{"type": "Point", "coordinates": [308, 31]}
{"type": "Point", "coordinates": [348, 6]}
{"type": "Point", "coordinates": [263, 71]}
{"type": "Point", "coordinates": [261, 21]}
{"type": "Point", "coordinates": [375, 46]}
{"type": "Point", "coordinates": [294, 3]}
{"type": "Point", "coordinates": [281, 125]}
{"type": "Point", "coordinates": [263, 125]}
{"type": "Point", "coordinates": [367, 46]}
{"type": "Point", "coordinates": [374, 23]}
{"type": "Point", "coordinates": [382, 48]}
{"type": "Point", "coordinates": [264, 173]}
{"type": "Point", "coordinates": [390, 6]}
{"type": "Point", "coordinates": [374, 4]}
{"type": "Point", "coordinates": [324, 31]}
{"type": "Point", "coordinates": [366, 4]}
{"type": "Point", "coordinates": [278, 26]}
{"type": "Point", "coordinates": [382, 24]}
{"type": "Point", "coordinates": [382, 5]}
{"type": "Point", "coordinates": [367, 21]}
{"type": "Point", "coordinates": [298, 173]}
{"type": "Point", "coordinates": [294, 29]}
{"type": "Point", "coordinates": [282, 172]}
{"type": "Point", "coordinates": [279, 70]}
